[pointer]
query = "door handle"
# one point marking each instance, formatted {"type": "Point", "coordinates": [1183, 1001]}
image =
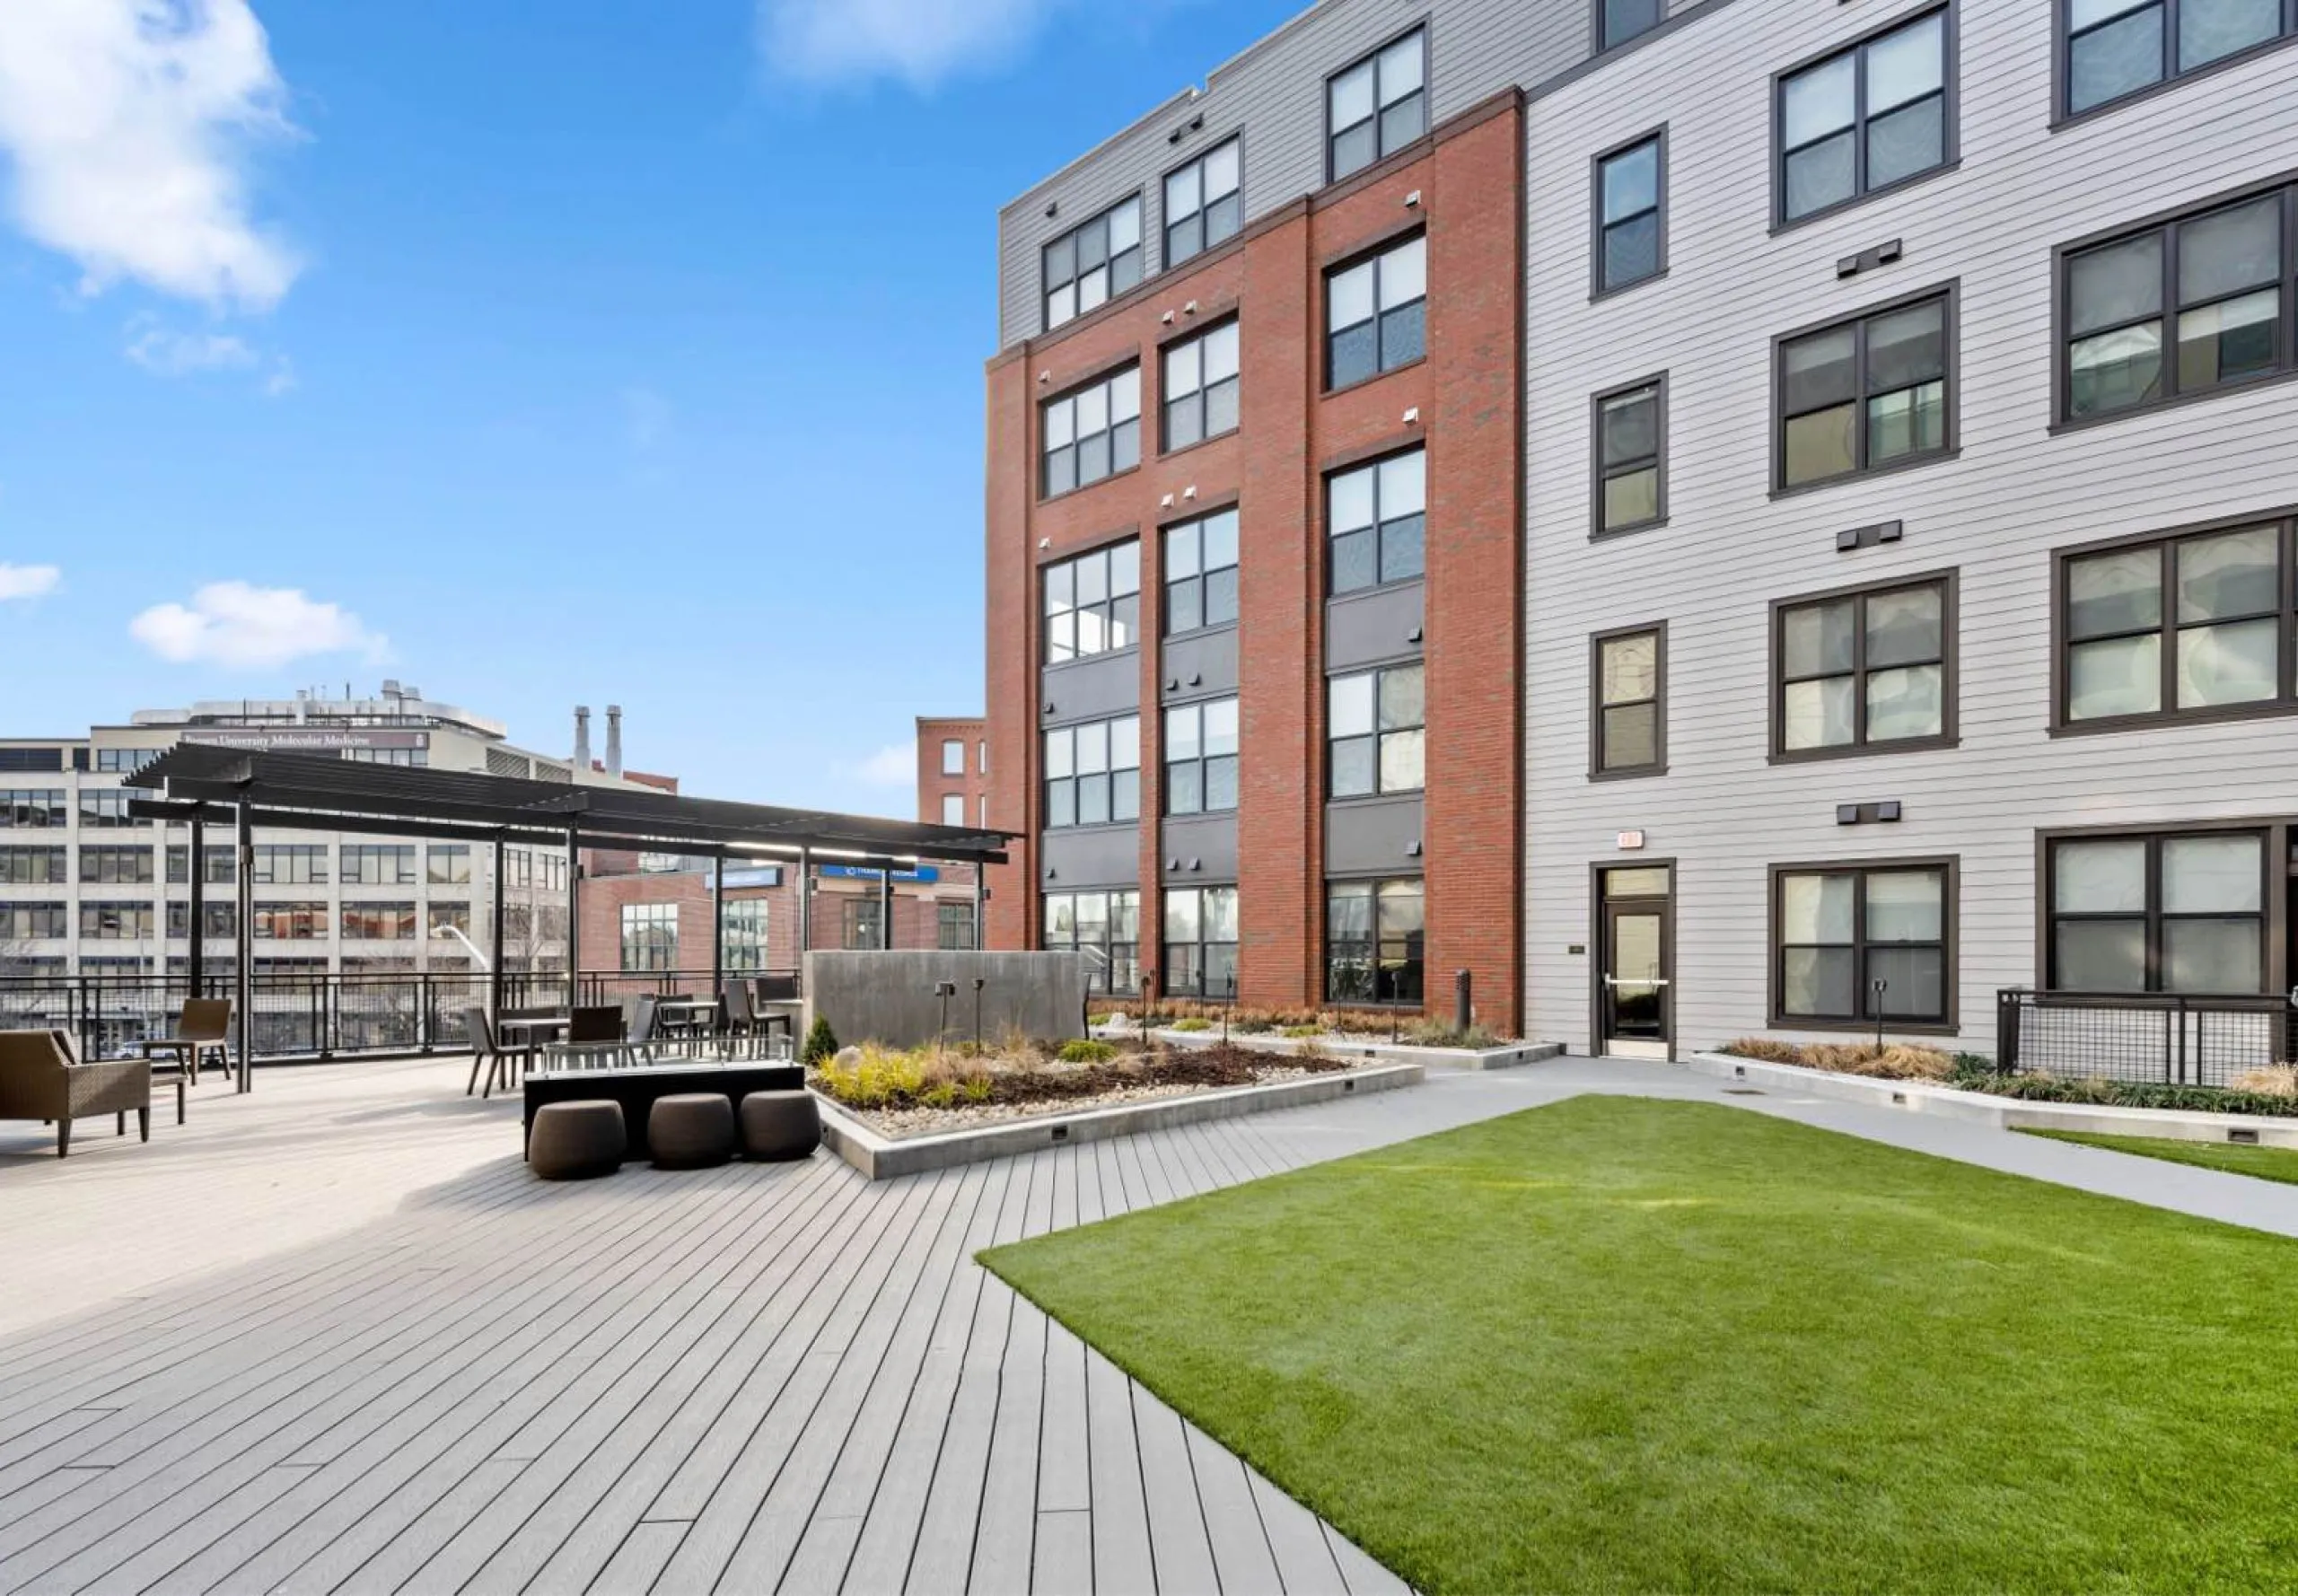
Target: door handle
{"type": "Point", "coordinates": [1632, 981]}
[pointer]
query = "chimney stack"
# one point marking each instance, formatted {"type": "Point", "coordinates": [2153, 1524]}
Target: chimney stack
{"type": "Point", "coordinates": [614, 743]}
{"type": "Point", "coordinates": [582, 738]}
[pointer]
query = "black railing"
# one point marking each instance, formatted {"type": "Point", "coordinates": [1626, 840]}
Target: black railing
{"type": "Point", "coordinates": [2151, 1039]}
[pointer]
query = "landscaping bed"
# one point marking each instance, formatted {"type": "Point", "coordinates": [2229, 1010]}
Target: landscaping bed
{"type": "Point", "coordinates": [2264, 1163]}
{"type": "Point", "coordinates": [2272, 1090]}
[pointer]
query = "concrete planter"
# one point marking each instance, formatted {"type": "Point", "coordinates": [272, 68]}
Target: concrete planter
{"type": "Point", "coordinates": [1458, 1058]}
{"type": "Point", "coordinates": [881, 1157]}
{"type": "Point", "coordinates": [2004, 1113]}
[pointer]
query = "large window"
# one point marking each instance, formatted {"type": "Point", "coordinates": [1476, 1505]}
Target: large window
{"type": "Point", "coordinates": [1201, 757]}
{"type": "Point", "coordinates": [1864, 120]}
{"type": "Point", "coordinates": [862, 925]}
{"type": "Point", "coordinates": [377, 864]}
{"type": "Point", "coordinates": [746, 945]}
{"type": "Point", "coordinates": [2158, 914]}
{"type": "Point", "coordinates": [107, 807]}
{"type": "Point", "coordinates": [953, 756]}
{"type": "Point", "coordinates": [1376, 313]}
{"type": "Point", "coordinates": [220, 920]}
{"type": "Point", "coordinates": [1377, 520]}
{"type": "Point", "coordinates": [1104, 927]}
{"type": "Point", "coordinates": [33, 922]}
{"type": "Point", "coordinates": [1201, 386]}
{"type": "Point", "coordinates": [126, 761]}
{"type": "Point", "coordinates": [115, 866]}
{"type": "Point", "coordinates": [2116, 47]}
{"type": "Point", "coordinates": [1630, 733]}
{"type": "Point", "coordinates": [1201, 572]}
{"type": "Point", "coordinates": [1092, 773]}
{"type": "Point", "coordinates": [2217, 283]}
{"type": "Point", "coordinates": [1864, 394]}
{"type": "Point", "coordinates": [1204, 202]}
{"type": "Point", "coordinates": [1631, 230]}
{"type": "Point", "coordinates": [1092, 264]}
{"type": "Point", "coordinates": [33, 867]}
{"type": "Point", "coordinates": [448, 864]}
{"type": "Point", "coordinates": [118, 921]}
{"type": "Point", "coordinates": [1376, 725]}
{"type": "Point", "coordinates": [2195, 625]}
{"type": "Point", "coordinates": [442, 917]}
{"type": "Point", "coordinates": [290, 922]}
{"type": "Point", "coordinates": [1862, 944]}
{"type": "Point", "coordinates": [379, 922]}
{"type": "Point", "coordinates": [1378, 105]}
{"type": "Point", "coordinates": [222, 859]}
{"type": "Point", "coordinates": [1631, 454]}
{"type": "Point", "coordinates": [290, 865]}
{"type": "Point", "coordinates": [1201, 942]}
{"type": "Point", "coordinates": [954, 809]}
{"type": "Point", "coordinates": [1375, 941]}
{"type": "Point", "coordinates": [953, 926]}
{"type": "Point", "coordinates": [1092, 604]}
{"type": "Point", "coordinates": [1620, 20]}
{"type": "Point", "coordinates": [33, 806]}
{"type": "Point", "coordinates": [650, 936]}
{"type": "Point", "coordinates": [1092, 434]}
{"type": "Point", "coordinates": [1865, 670]}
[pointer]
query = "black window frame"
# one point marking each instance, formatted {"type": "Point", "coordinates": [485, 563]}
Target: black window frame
{"type": "Point", "coordinates": [2064, 35]}
{"type": "Point", "coordinates": [1358, 970]}
{"type": "Point", "coordinates": [36, 920]}
{"type": "Point", "coordinates": [381, 920]}
{"type": "Point", "coordinates": [1599, 283]}
{"type": "Point", "coordinates": [641, 927]}
{"type": "Point", "coordinates": [1200, 399]}
{"type": "Point", "coordinates": [1382, 146]}
{"type": "Point", "coordinates": [1114, 953]}
{"type": "Point", "coordinates": [35, 809]}
{"type": "Point", "coordinates": [1860, 746]}
{"type": "Point", "coordinates": [1203, 212]}
{"type": "Point", "coordinates": [309, 865]}
{"type": "Point", "coordinates": [1110, 608]}
{"type": "Point", "coordinates": [1950, 114]}
{"type": "Point", "coordinates": [1601, 30]}
{"type": "Point", "coordinates": [1206, 990]}
{"type": "Point", "coordinates": [2064, 643]}
{"type": "Point", "coordinates": [1599, 767]}
{"type": "Point", "coordinates": [1601, 473]}
{"type": "Point", "coordinates": [2048, 917]}
{"type": "Point", "coordinates": [2169, 227]}
{"type": "Point", "coordinates": [953, 927]}
{"type": "Point", "coordinates": [1379, 736]}
{"type": "Point", "coordinates": [1114, 429]}
{"type": "Point", "coordinates": [1949, 295]}
{"type": "Point", "coordinates": [1948, 867]}
{"type": "Point", "coordinates": [1380, 321]}
{"type": "Point", "coordinates": [116, 864]}
{"type": "Point", "coordinates": [105, 809]}
{"type": "Point", "coordinates": [1074, 237]}
{"type": "Point", "coordinates": [35, 865]}
{"type": "Point", "coordinates": [1199, 583]}
{"type": "Point", "coordinates": [440, 862]}
{"type": "Point", "coordinates": [393, 863]}
{"type": "Point", "coordinates": [1380, 526]}
{"type": "Point", "coordinates": [1120, 813]}
{"type": "Point", "coordinates": [1203, 764]}
{"type": "Point", "coordinates": [127, 920]}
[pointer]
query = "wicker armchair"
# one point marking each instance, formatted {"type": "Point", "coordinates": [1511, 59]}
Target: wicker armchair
{"type": "Point", "coordinates": [38, 1080]}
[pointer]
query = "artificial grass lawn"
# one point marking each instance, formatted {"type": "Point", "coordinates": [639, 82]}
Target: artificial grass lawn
{"type": "Point", "coordinates": [1617, 1343]}
{"type": "Point", "coordinates": [2266, 1163]}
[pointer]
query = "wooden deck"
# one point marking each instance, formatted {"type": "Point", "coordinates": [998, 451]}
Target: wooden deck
{"type": "Point", "coordinates": [351, 1344]}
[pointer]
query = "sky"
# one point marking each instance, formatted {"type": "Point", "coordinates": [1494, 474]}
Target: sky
{"type": "Point", "coordinates": [533, 355]}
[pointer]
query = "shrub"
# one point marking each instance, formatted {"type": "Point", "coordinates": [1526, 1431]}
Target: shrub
{"type": "Point", "coordinates": [1443, 1033]}
{"type": "Point", "coordinates": [1303, 1030]}
{"type": "Point", "coordinates": [2127, 1094]}
{"type": "Point", "coordinates": [1764, 1051]}
{"type": "Point", "coordinates": [2274, 1080]}
{"type": "Point", "coordinates": [1896, 1061]}
{"type": "Point", "coordinates": [822, 1043]}
{"type": "Point", "coordinates": [1098, 1020]}
{"type": "Point", "coordinates": [942, 1095]}
{"type": "Point", "coordinates": [1193, 1022]}
{"type": "Point", "coordinates": [1084, 1051]}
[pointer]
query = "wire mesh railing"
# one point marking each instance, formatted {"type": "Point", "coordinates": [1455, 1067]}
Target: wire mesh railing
{"type": "Point", "coordinates": [2144, 1038]}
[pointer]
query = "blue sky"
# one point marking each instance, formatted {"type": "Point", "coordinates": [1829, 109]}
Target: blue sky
{"type": "Point", "coordinates": [536, 354]}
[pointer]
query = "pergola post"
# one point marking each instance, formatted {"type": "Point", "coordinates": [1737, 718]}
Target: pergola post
{"type": "Point", "coordinates": [495, 965]}
{"type": "Point", "coordinates": [886, 909]}
{"type": "Point", "coordinates": [718, 923]}
{"type": "Point", "coordinates": [243, 944]}
{"type": "Point", "coordinates": [196, 966]}
{"type": "Point", "coordinates": [980, 906]}
{"type": "Point", "coordinates": [573, 913]}
{"type": "Point", "coordinates": [805, 907]}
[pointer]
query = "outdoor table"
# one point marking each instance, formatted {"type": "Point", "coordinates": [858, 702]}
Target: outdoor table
{"type": "Point", "coordinates": [524, 1035]}
{"type": "Point", "coordinates": [636, 1089]}
{"type": "Point", "coordinates": [685, 1017]}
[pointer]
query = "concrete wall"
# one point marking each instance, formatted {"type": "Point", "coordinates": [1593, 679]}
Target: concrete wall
{"type": "Point", "coordinates": [888, 997]}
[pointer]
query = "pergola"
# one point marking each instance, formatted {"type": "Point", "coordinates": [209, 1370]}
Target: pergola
{"type": "Point", "coordinates": [202, 784]}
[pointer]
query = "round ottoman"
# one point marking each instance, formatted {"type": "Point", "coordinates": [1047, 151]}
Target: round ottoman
{"type": "Point", "coordinates": [576, 1141]}
{"type": "Point", "coordinates": [781, 1124]}
{"type": "Point", "coordinates": [691, 1130]}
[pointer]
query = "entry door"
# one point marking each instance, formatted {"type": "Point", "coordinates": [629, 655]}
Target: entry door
{"type": "Point", "coordinates": [1638, 1018]}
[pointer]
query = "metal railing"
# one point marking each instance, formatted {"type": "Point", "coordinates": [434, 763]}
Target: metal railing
{"type": "Point", "coordinates": [2143, 1038]}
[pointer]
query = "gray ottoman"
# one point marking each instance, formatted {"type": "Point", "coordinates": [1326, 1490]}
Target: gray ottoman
{"type": "Point", "coordinates": [576, 1141]}
{"type": "Point", "coordinates": [691, 1130]}
{"type": "Point", "coordinates": [781, 1124]}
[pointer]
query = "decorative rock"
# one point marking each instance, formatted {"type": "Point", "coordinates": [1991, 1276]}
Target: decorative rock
{"type": "Point", "coordinates": [848, 1057]}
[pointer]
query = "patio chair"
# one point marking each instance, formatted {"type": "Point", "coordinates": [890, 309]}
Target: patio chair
{"type": "Point", "coordinates": [601, 1024]}
{"type": "Point", "coordinates": [204, 1026]}
{"type": "Point", "coordinates": [40, 1080]}
{"type": "Point", "coordinates": [742, 1020]}
{"type": "Point", "coordinates": [643, 1023]}
{"type": "Point", "coordinates": [484, 1048]}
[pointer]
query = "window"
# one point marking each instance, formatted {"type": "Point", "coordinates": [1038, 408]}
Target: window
{"type": "Point", "coordinates": [2158, 914]}
{"type": "Point", "coordinates": [550, 871]}
{"type": "Point", "coordinates": [1375, 941]}
{"type": "Point", "coordinates": [107, 807]}
{"type": "Point", "coordinates": [34, 806]}
{"type": "Point", "coordinates": [1092, 604]}
{"type": "Point", "coordinates": [1092, 434]}
{"type": "Point", "coordinates": [220, 919]}
{"type": "Point", "coordinates": [115, 866]}
{"type": "Point", "coordinates": [33, 867]}
{"type": "Point", "coordinates": [2224, 274]}
{"type": "Point", "coordinates": [1630, 711]}
{"type": "Point", "coordinates": [447, 864]}
{"type": "Point", "coordinates": [550, 920]}
{"type": "Point", "coordinates": [1856, 945]}
{"type": "Point", "coordinates": [953, 926]}
{"type": "Point", "coordinates": [379, 922]}
{"type": "Point", "coordinates": [290, 922]}
{"type": "Point", "coordinates": [1377, 107]}
{"type": "Point", "coordinates": [1375, 724]}
{"type": "Point", "coordinates": [864, 924]}
{"type": "Point", "coordinates": [31, 921]}
{"type": "Point", "coordinates": [981, 758]}
{"type": "Point", "coordinates": [1631, 446]}
{"type": "Point", "coordinates": [1863, 670]}
{"type": "Point", "coordinates": [1092, 773]}
{"type": "Point", "coordinates": [746, 943]}
{"type": "Point", "coordinates": [2116, 47]}
{"type": "Point", "coordinates": [983, 821]}
{"type": "Point", "coordinates": [2192, 624]}
{"type": "Point", "coordinates": [378, 864]}
{"type": "Point", "coordinates": [126, 761]}
{"type": "Point", "coordinates": [1620, 20]}
{"type": "Point", "coordinates": [1377, 519]}
{"type": "Point", "coordinates": [118, 921]}
{"type": "Point", "coordinates": [650, 936]}
{"type": "Point", "coordinates": [40, 759]}
{"type": "Point", "coordinates": [1631, 234]}
{"type": "Point", "coordinates": [1201, 757]}
{"type": "Point", "coordinates": [1201, 574]}
{"type": "Point", "coordinates": [1864, 120]}
{"type": "Point", "coordinates": [1104, 927]}
{"type": "Point", "coordinates": [954, 757]}
{"type": "Point", "coordinates": [1201, 386]}
{"type": "Point", "coordinates": [1864, 394]}
{"type": "Point", "coordinates": [1376, 314]}
{"type": "Point", "coordinates": [1204, 202]}
{"type": "Point", "coordinates": [290, 865]}
{"type": "Point", "coordinates": [413, 758]}
{"type": "Point", "coordinates": [1090, 265]}
{"type": "Point", "coordinates": [954, 809]}
{"type": "Point", "coordinates": [222, 864]}
{"type": "Point", "coordinates": [1201, 942]}
{"type": "Point", "coordinates": [448, 917]}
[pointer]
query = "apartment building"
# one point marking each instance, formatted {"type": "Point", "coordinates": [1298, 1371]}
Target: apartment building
{"type": "Point", "coordinates": [1857, 436]}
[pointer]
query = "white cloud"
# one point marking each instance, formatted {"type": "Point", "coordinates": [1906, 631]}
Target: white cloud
{"type": "Point", "coordinates": [27, 581]}
{"type": "Point", "coordinates": [893, 766]}
{"type": "Point", "coordinates": [232, 623]}
{"type": "Point", "coordinates": [180, 354]}
{"type": "Point", "coordinates": [130, 124]}
{"type": "Point", "coordinates": [919, 42]}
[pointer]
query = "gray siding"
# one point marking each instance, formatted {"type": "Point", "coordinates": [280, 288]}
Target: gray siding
{"type": "Point", "coordinates": [1199, 849]}
{"type": "Point", "coordinates": [1374, 627]}
{"type": "Point", "coordinates": [1081, 857]}
{"type": "Point", "coordinates": [1201, 666]}
{"type": "Point", "coordinates": [1994, 514]}
{"type": "Point", "coordinates": [1376, 835]}
{"type": "Point", "coordinates": [1107, 684]}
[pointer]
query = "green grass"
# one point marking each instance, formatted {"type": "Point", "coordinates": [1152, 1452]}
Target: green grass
{"type": "Point", "coordinates": [2266, 1163]}
{"type": "Point", "coordinates": [1621, 1345]}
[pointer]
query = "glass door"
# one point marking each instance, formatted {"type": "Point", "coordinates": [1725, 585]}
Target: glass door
{"type": "Point", "coordinates": [1635, 1004]}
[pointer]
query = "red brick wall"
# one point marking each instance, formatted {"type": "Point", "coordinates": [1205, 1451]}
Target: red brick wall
{"type": "Point", "coordinates": [933, 785]}
{"type": "Point", "coordinates": [917, 914]}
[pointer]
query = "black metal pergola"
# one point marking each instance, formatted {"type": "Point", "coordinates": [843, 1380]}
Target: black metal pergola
{"type": "Point", "coordinates": [200, 784]}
